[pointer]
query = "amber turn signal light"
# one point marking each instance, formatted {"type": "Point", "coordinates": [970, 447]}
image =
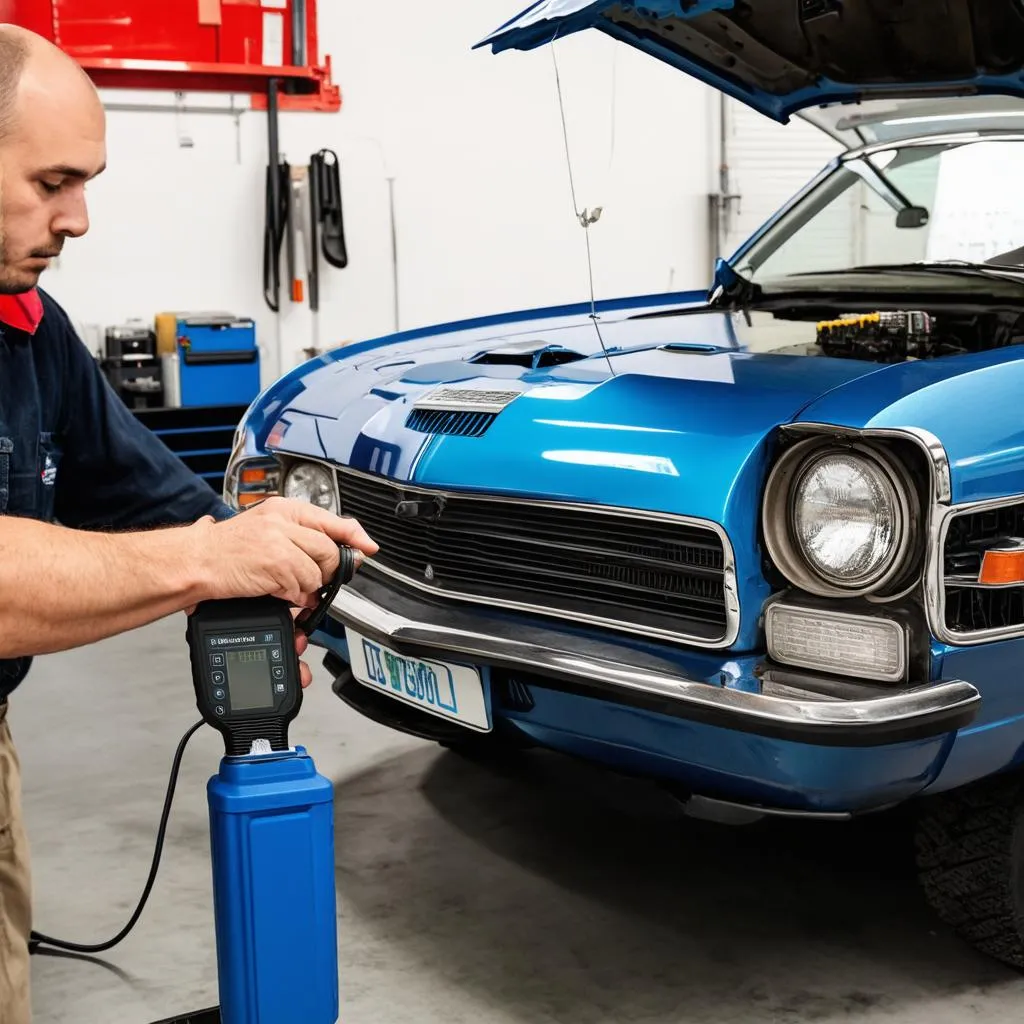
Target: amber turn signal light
{"type": "Point", "coordinates": [999, 568]}
{"type": "Point", "coordinates": [245, 500]}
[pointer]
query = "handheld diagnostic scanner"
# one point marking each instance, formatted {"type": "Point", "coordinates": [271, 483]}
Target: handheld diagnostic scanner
{"type": "Point", "coordinates": [244, 666]}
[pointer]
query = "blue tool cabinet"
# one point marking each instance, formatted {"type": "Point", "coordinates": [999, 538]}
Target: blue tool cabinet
{"type": "Point", "coordinates": [218, 361]}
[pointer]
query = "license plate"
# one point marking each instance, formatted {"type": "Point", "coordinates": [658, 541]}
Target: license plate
{"type": "Point", "coordinates": [455, 692]}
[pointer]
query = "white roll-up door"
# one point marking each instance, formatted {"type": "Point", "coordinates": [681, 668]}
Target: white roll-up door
{"type": "Point", "coordinates": [766, 163]}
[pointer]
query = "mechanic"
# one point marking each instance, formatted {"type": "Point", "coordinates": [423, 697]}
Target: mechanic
{"type": "Point", "coordinates": [102, 529]}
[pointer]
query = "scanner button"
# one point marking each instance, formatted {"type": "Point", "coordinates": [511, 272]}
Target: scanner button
{"type": "Point", "coordinates": [275, 654]}
{"type": "Point", "coordinates": [216, 659]}
{"type": "Point", "coordinates": [219, 694]}
{"type": "Point", "coordinates": [218, 678]}
{"type": "Point", "coordinates": [278, 671]}
{"type": "Point", "coordinates": [219, 709]}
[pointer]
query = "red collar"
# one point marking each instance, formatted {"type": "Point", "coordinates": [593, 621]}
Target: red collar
{"type": "Point", "coordinates": [22, 312]}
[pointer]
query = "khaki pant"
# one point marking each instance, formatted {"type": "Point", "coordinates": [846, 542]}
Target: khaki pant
{"type": "Point", "coordinates": [15, 887]}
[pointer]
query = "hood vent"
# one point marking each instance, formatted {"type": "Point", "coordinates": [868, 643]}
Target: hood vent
{"type": "Point", "coordinates": [480, 395]}
{"type": "Point", "coordinates": [462, 409]}
{"type": "Point", "coordinates": [446, 421]}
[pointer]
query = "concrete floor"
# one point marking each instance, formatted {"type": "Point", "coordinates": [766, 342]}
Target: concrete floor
{"type": "Point", "coordinates": [554, 892]}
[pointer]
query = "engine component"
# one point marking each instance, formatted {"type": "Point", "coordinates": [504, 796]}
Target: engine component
{"type": "Point", "coordinates": [899, 335]}
{"type": "Point", "coordinates": [881, 337]}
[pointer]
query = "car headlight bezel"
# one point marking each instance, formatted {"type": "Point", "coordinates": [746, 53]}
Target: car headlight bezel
{"type": "Point", "coordinates": [251, 479]}
{"type": "Point", "coordinates": [779, 513]}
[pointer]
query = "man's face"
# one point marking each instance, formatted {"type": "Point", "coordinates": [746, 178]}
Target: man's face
{"type": "Point", "coordinates": [52, 151]}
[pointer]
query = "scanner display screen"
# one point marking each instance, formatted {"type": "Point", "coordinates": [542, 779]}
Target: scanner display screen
{"type": "Point", "coordinates": [249, 679]}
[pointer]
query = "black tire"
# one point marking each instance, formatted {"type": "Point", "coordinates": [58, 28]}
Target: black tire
{"type": "Point", "coordinates": [970, 858]}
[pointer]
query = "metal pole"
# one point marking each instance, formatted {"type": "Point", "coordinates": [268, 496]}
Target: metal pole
{"type": "Point", "coordinates": [299, 33]}
{"type": "Point", "coordinates": [394, 247]}
{"type": "Point", "coordinates": [275, 191]}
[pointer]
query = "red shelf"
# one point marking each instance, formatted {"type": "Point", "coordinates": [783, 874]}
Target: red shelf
{"type": "Point", "coordinates": [308, 88]}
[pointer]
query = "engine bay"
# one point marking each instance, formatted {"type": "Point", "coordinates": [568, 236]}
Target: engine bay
{"type": "Point", "coordinates": [900, 335]}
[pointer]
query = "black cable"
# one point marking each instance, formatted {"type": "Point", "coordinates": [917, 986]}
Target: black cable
{"type": "Point", "coordinates": [105, 964]}
{"type": "Point", "coordinates": [37, 939]}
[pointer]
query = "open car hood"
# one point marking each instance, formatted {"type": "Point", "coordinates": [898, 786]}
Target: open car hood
{"type": "Point", "coordinates": [785, 56]}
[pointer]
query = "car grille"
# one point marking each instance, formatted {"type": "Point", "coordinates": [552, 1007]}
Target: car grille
{"type": "Point", "coordinates": [971, 609]}
{"type": "Point", "coordinates": [642, 573]}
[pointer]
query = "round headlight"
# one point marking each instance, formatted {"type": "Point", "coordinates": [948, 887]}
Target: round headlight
{"type": "Point", "coordinates": [841, 519]}
{"type": "Point", "coordinates": [847, 519]}
{"type": "Point", "coordinates": [313, 483]}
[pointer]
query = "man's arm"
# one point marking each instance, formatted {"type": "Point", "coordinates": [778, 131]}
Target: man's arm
{"type": "Point", "coordinates": [62, 588]}
{"type": "Point", "coordinates": [116, 473]}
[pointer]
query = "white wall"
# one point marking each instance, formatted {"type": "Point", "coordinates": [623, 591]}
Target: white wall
{"type": "Point", "coordinates": [474, 142]}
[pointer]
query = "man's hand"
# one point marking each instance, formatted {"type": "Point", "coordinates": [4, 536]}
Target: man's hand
{"type": "Point", "coordinates": [305, 673]}
{"type": "Point", "coordinates": [283, 547]}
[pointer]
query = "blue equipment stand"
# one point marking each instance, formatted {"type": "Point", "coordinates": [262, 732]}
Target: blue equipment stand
{"type": "Point", "coordinates": [275, 907]}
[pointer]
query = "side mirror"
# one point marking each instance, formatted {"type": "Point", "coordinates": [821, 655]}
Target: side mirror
{"type": "Point", "coordinates": [912, 217]}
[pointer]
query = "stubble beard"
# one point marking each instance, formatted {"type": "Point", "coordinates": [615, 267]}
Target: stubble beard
{"type": "Point", "coordinates": [9, 282]}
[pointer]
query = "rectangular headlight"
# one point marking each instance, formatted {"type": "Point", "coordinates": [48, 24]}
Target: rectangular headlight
{"type": "Point", "coordinates": [837, 642]}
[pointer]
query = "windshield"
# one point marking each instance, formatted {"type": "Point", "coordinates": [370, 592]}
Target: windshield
{"type": "Point", "coordinates": [958, 200]}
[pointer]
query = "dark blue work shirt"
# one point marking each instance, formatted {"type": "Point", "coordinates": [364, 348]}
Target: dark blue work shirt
{"type": "Point", "coordinates": [71, 451]}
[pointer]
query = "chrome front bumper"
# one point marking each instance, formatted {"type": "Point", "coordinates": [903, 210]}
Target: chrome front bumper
{"type": "Point", "coordinates": [563, 661]}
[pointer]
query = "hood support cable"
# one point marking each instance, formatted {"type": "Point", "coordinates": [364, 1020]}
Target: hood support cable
{"type": "Point", "coordinates": [585, 217]}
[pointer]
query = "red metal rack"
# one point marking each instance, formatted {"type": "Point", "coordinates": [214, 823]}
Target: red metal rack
{"type": "Point", "coordinates": [201, 45]}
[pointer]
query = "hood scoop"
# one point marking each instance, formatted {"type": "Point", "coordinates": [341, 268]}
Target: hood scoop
{"type": "Point", "coordinates": [535, 355]}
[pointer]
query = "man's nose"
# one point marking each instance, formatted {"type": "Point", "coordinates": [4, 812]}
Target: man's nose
{"type": "Point", "coordinates": [72, 218]}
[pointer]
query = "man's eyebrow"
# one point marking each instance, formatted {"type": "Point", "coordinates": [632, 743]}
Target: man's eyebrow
{"type": "Point", "coordinates": [67, 171]}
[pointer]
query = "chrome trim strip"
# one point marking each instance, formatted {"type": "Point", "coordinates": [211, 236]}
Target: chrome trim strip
{"type": "Point", "coordinates": [935, 581]}
{"type": "Point", "coordinates": [729, 579]}
{"type": "Point", "coordinates": [942, 482]}
{"type": "Point", "coordinates": [938, 460]}
{"type": "Point", "coordinates": [488, 648]}
{"type": "Point", "coordinates": [972, 583]}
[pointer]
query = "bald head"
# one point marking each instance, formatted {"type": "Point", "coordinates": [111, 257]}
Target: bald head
{"type": "Point", "coordinates": [32, 69]}
{"type": "Point", "coordinates": [13, 56]}
{"type": "Point", "coordinates": [52, 142]}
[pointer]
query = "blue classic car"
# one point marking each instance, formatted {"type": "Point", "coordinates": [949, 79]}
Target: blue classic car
{"type": "Point", "coordinates": [764, 542]}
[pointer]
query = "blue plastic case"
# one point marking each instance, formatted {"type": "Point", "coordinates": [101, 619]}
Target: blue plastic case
{"type": "Point", "coordinates": [272, 850]}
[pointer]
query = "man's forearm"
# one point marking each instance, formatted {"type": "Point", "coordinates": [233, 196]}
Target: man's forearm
{"type": "Point", "coordinates": [62, 588]}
